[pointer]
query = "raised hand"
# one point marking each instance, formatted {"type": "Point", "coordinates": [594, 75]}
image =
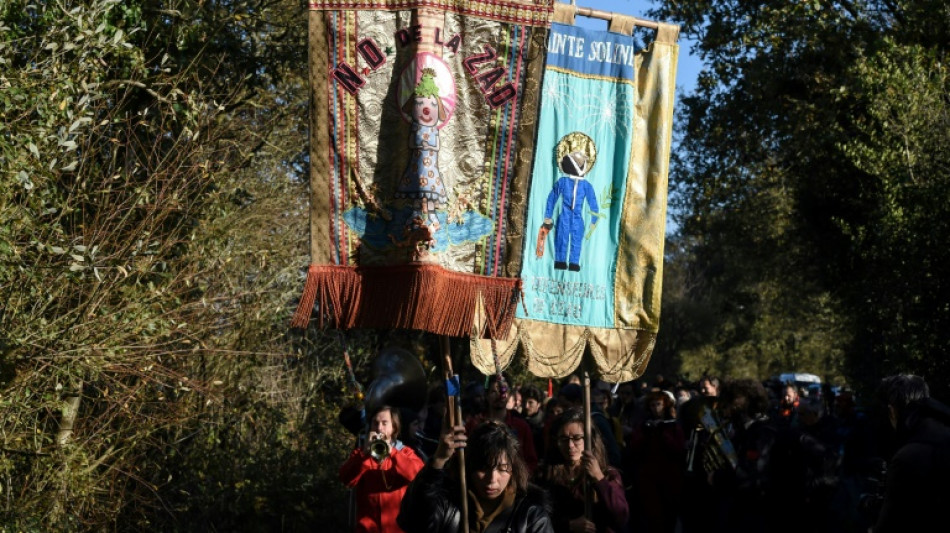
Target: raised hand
{"type": "Point", "coordinates": [451, 439]}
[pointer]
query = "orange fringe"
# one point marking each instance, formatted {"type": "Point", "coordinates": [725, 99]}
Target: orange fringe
{"type": "Point", "coordinates": [413, 296]}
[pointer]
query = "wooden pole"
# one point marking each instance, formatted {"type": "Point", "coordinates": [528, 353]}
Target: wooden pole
{"type": "Point", "coordinates": [588, 443]}
{"type": "Point", "coordinates": [607, 15]}
{"type": "Point", "coordinates": [454, 412]}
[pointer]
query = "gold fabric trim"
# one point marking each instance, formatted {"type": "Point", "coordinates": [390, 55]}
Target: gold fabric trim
{"type": "Point", "coordinates": [621, 353]}
{"type": "Point", "coordinates": [527, 130]}
{"type": "Point", "coordinates": [564, 13]}
{"type": "Point", "coordinates": [643, 227]}
{"type": "Point", "coordinates": [520, 12]}
{"type": "Point", "coordinates": [668, 33]}
{"type": "Point", "coordinates": [554, 351]}
{"type": "Point", "coordinates": [319, 139]}
{"type": "Point", "coordinates": [622, 24]}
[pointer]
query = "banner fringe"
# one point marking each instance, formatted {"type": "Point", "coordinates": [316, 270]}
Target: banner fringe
{"type": "Point", "coordinates": [413, 296]}
{"type": "Point", "coordinates": [302, 316]}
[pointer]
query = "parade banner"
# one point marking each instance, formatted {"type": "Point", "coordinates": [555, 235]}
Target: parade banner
{"type": "Point", "coordinates": [422, 134]}
{"type": "Point", "coordinates": [592, 260]}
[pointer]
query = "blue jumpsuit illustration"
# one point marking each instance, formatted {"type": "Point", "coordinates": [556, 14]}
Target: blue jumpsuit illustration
{"type": "Point", "coordinates": [572, 190]}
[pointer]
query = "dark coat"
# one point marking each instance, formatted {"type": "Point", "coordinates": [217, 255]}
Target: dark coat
{"type": "Point", "coordinates": [917, 492]}
{"type": "Point", "coordinates": [657, 457]}
{"type": "Point", "coordinates": [606, 428]}
{"type": "Point", "coordinates": [431, 505]}
{"type": "Point", "coordinates": [742, 492]}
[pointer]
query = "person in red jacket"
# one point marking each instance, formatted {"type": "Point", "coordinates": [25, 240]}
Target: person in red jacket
{"type": "Point", "coordinates": [380, 480]}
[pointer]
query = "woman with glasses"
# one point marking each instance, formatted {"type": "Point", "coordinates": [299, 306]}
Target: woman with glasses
{"type": "Point", "coordinates": [569, 467]}
{"type": "Point", "coordinates": [500, 498]}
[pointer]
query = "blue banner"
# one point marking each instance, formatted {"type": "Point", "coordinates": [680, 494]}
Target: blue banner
{"type": "Point", "coordinates": [582, 162]}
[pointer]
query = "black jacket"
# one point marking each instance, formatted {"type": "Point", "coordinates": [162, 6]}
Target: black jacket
{"type": "Point", "coordinates": [917, 492]}
{"type": "Point", "coordinates": [431, 505]}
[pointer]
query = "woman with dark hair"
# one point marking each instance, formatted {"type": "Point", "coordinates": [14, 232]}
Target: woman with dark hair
{"type": "Point", "coordinates": [497, 396]}
{"type": "Point", "coordinates": [568, 466]}
{"type": "Point", "coordinates": [380, 470]}
{"type": "Point", "coordinates": [500, 498]}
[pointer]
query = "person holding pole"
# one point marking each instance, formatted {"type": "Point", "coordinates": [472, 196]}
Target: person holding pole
{"type": "Point", "coordinates": [569, 466]}
{"type": "Point", "coordinates": [573, 395]}
{"type": "Point", "coordinates": [499, 496]}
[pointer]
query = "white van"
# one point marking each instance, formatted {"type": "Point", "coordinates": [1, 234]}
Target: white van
{"type": "Point", "coordinates": [799, 378]}
{"type": "Point", "coordinates": [809, 384]}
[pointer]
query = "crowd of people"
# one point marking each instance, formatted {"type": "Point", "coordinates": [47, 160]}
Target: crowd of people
{"type": "Point", "coordinates": [735, 455]}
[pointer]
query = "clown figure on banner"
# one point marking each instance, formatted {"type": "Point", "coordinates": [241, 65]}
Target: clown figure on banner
{"type": "Point", "coordinates": [422, 181]}
{"type": "Point", "coordinates": [576, 155]}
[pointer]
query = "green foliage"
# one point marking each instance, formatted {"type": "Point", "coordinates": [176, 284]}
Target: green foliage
{"type": "Point", "coordinates": [153, 217]}
{"type": "Point", "coordinates": [810, 185]}
{"type": "Point", "coordinates": [152, 228]}
{"type": "Point", "coordinates": [896, 241]}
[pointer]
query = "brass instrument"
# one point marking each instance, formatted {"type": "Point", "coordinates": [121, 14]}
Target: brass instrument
{"type": "Point", "coordinates": [378, 448]}
{"type": "Point", "coordinates": [691, 446]}
{"type": "Point", "coordinates": [717, 450]}
{"type": "Point", "coordinates": [398, 381]}
{"type": "Point", "coordinates": [718, 454]}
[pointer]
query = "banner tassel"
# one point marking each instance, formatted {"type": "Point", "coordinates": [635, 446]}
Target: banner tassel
{"type": "Point", "coordinates": [301, 317]}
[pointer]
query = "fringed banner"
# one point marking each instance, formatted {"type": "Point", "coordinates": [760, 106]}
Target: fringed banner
{"type": "Point", "coordinates": [417, 296]}
{"type": "Point", "coordinates": [422, 127]}
{"type": "Point", "coordinates": [593, 261]}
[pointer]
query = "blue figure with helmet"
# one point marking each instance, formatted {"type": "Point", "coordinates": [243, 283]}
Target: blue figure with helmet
{"type": "Point", "coordinates": [576, 155]}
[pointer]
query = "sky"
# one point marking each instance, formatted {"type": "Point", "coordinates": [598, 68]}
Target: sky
{"type": "Point", "coordinates": [688, 66]}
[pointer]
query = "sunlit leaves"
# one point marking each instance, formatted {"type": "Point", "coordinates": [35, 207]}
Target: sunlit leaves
{"type": "Point", "coordinates": [813, 169]}
{"type": "Point", "coordinates": [120, 250]}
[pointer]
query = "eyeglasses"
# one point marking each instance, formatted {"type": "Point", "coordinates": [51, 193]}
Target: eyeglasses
{"type": "Point", "coordinates": [570, 438]}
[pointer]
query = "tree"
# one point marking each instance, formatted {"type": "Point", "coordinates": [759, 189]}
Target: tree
{"type": "Point", "coordinates": [799, 234]}
{"type": "Point", "coordinates": [895, 251]}
{"type": "Point", "coordinates": [152, 230]}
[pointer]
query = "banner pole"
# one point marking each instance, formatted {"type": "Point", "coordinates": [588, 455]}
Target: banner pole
{"type": "Point", "coordinates": [454, 412]}
{"type": "Point", "coordinates": [607, 15]}
{"type": "Point", "coordinates": [588, 444]}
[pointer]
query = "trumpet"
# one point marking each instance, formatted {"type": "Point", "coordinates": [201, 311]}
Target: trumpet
{"type": "Point", "coordinates": [378, 447]}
